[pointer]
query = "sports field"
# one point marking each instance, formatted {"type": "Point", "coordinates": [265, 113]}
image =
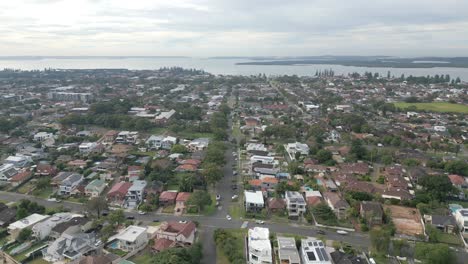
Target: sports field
{"type": "Point", "coordinates": [436, 107]}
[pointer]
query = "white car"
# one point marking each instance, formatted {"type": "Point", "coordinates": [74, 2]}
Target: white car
{"type": "Point", "coordinates": [260, 222]}
{"type": "Point", "coordinates": [141, 212]}
{"type": "Point", "coordinates": [52, 200]}
{"type": "Point", "coordinates": [228, 217]}
{"type": "Point", "coordinates": [342, 232]}
{"type": "Point", "coordinates": [235, 196]}
{"type": "Point", "coordinates": [218, 197]}
{"type": "Point", "coordinates": [183, 221]}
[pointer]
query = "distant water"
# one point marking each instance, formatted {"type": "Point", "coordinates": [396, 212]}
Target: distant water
{"type": "Point", "coordinates": [217, 66]}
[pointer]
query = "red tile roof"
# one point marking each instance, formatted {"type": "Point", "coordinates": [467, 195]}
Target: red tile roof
{"type": "Point", "coordinates": [120, 188]}
{"type": "Point", "coordinates": [161, 244]}
{"type": "Point", "coordinates": [21, 176]}
{"type": "Point", "coordinates": [168, 196]}
{"type": "Point", "coordinates": [180, 228]}
{"type": "Point", "coordinates": [313, 200]}
{"type": "Point", "coordinates": [183, 197]}
{"type": "Point", "coordinates": [456, 179]}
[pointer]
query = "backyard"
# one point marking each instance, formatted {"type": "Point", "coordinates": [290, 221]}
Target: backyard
{"type": "Point", "coordinates": [435, 107]}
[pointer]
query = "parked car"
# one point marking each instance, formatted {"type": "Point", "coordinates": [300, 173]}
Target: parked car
{"type": "Point", "coordinates": [234, 187]}
{"type": "Point", "coordinates": [341, 232]}
{"type": "Point", "coordinates": [260, 222]}
{"type": "Point", "coordinates": [218, 197]}
{"type": "Point", "coordinates": [130, 217]}
{"type": "Point", "coordinates": [183, 221]}
{"type": "Point", "coordinates": [321, 232]}
{"type": "Point", "coordinates": [141, 212]}
{"type": "Point", "coordinates": [228, 217]}
{"type": "Point", "coordinates": [155, 220]}
{"type": "Point", "coordinates": [235, 196]}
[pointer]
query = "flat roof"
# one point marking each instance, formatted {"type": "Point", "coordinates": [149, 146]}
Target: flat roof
{"type": "Point", "coordinates": [27, 221]}
{"type": "Point", "coordinates": [254, 197]}
{"type": "Point", "coordinates": [131, 233]}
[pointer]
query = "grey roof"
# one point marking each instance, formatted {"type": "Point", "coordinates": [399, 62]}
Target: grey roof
{"type": "Point", "coordinates": [295, 197]}
{"type": "Point", "coordinates": [374, 207]}
{"type": "Point", "coordinates": [443, 220]}
{"type": "Point", "coordinates": [287, 249]}
{"type": "Point", "coordinates": [339, 257]}
{"type": "Point", "coordinates": [60, 228]}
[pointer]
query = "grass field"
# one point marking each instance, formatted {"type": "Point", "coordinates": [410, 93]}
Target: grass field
{"type": "Point", "coordinates": [239, 235]}
{"type": "Point", "coordinates": [436, 107]}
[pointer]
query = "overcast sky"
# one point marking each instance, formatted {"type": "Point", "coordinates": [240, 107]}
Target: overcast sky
{"type": "Point", "coordinates": [234, 27]}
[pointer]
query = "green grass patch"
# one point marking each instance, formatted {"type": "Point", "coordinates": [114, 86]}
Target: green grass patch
{"type": "Point", "coordinates": [236, 211]}
{"type": "Point", "coordinates": [118, 252]}
{"type": "Point", "coordinates": [44, 193]}
{"type": "Point", "coordinates": [435, 107]}
{"type": "Point", "coordinates": [449, 239]}
{"type": "Point", "coordinates": [168, 209]}
{"type": "Point", "coordinates": [145, 258]}
{"type": "Point", "coordinates": [238, 236]}
{"type": "Point", "coordinates": [25, 188]}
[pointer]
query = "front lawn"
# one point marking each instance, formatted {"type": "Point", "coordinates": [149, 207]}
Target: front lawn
{"type": "Point", "coordinates": [442, 107]}
{"type": "Point", "coordinates": [450, 239]}
{"type": "Point", "coordinates": [236, 245]}
{"type": "Point", "coordinates": [145, 258]}
{"type": "Point", "coordinates": [168, 209]}
{"type": "Point", "coordinates": [44, 193]}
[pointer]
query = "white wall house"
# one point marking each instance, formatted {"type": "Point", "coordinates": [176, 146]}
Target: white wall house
{"type": "Point", "coordinates": [70, 183]}
{"type": "Point", "coordinates": [461, 216]}
{"type": "Point", "coordinates": [131, 238]}
{"type": "Point", "coordinates": [41, 136]}
{"type": "Point", "coordinates": [313, 252]}
{"type": "Point", "coordinates": [293, 148]}
{"type": "Point", "coordinates": [254, 201]}
{"type": "Point", "coordinates": [295, 204]}
{"type": "Point", "coordinates": [259, 249]}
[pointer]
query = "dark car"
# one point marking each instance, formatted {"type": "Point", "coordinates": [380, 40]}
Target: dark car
{"type": "Point", "coordinates": [155, 220]}
{"type": "Point", "coordinates": [130, 217]}
{"type": "Point", "coordinates": [105, 213]}
{"type": "Point", "coordinates": [321, 232]}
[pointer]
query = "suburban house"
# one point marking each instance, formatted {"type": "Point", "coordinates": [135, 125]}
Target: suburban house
{"type": "Point", "coordinates": [372, 212]}
{"type": "Point", "coordinates": [135, 194]}
{"type": "Point", "coordinates": [336, 203]}
{"type": "Point", "coordinates": [131, 238]}
{"type": "Point", "coordinates": [259, 246]}
{"type": "Point", "coordinates": [445, 223]}
{"type": "Point", "coordinates": [339, 257]}
{"type": "Point", "coordinates": [28, 222]}
{"type": "Point", "coordinates": [71, 246]}
{"type": "Point", "coordinates": [287, 250]}
{"type": "Point", "coordinates": [69, 184]}
{"type": "Point", "coordinates": [170, 234]}
{"type": "Point", "coordinates": [181, 202]}
{"type": "Point", "coordinates": [43, 229]}
{"type": "Point", "coordinates": [167, 198]}
{"type": "Point", "coordinates": [161, 142]}
{"type": "Point", "coordinates": [19, 161]}
{"type": "Point", "coordinates": [461, 216]}
{"type": "Point", "coordinates": [276, 205]}
{"type": "Point", "coordinates": [254, 201]}
{"type": "Point", "coordinates": [20, 177]}
{"type": "Point", "coordinates": [313, 252]}
{"type": "Point", "coordinates": [126, 137]}
{"type": "Point", "coordinates": [110, 136]}
{"type": "Point", "coordinates": [163, 117]}
{"type": "Point", "coordinates": [45, 170]}
{"type": "Point", "coordinates": [76, 224]}
{"type": "Point", "coordinates": [293, 148]}
{"type": "Point", "coordinates": [295, 204]}
{"type": "Point", "coordinates": [198, 144]}
{"type": "Point", "coordinates": [7, 171]}
{"type": "Point", "coordinates": [95, 188]}
{"type": "Point", "coordinates": [117, 193]}
{"type": "Point", "coordinates": [41, 136]}
{"type": "Point", "coordinates": [89, 147]}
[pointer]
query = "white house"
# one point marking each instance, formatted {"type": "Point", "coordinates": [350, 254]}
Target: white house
{"type": "Point", "coordinates": [262, 159]}
{"type": "Point", "coordinates": [313, 252]}
{"type": "Point", "coordinates": [7, 171]}
{"type": "Point", "coordinates": [15, 228]}
{"type": "Point", "coordinates": [41, 136]}
{"type": "Point", "coordinates": [440, 128]}
{"type": "Point", "coordinates": [131, 238]}
{"type": "Point", "coordinates": [259, 249]}
{"type": "Point", "coordinates": [295, 204]}
{"type": "Point", "coordinates": [19, 160]}
{"type": "Point", "coordinates": [254, 201]}
{"type": "Point", "coordinates": [161, 142]}
{"type": "Point", "coordinates": [296, 147]}
{"type": "Point", "coordinates": [70, 183]}
{"type": "Point", "coordinates": [461, 216]}
{"type": "Point", "coordinates": [135, 194]}
{"type": "Point", "coordinates": [43, 229]}
{"type": "Point", "coordinates": [87, 147]}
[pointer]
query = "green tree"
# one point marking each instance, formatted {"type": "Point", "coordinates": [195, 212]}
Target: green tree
{"type": "Point", "coordinates": [324, 155]}
{"type": "Point", "coordinates": [186, 183]}
{"type": "Point", "coordinates": [97, 205]}
{"type": "Point", "coordinates": [358, 149]}
{"type": "Point", "coordinates": [24, 235]}
{"type": "Point", "coordinates": [43, 183]}
{"type": "Point", "coordinates": [438, 187]}
{"type": "Point", "coordinates": [380, 240]}
{"type": "Point", "coordinates": [200, 199]}
{"type": "Point", "coordinates": [434, 253]}
{"type": "Point", "coordinates": [116, 217]}
{"type": "Point", "coordinates": [177, 148]}
{"type": "Point", "coordinates": [212, 173]}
